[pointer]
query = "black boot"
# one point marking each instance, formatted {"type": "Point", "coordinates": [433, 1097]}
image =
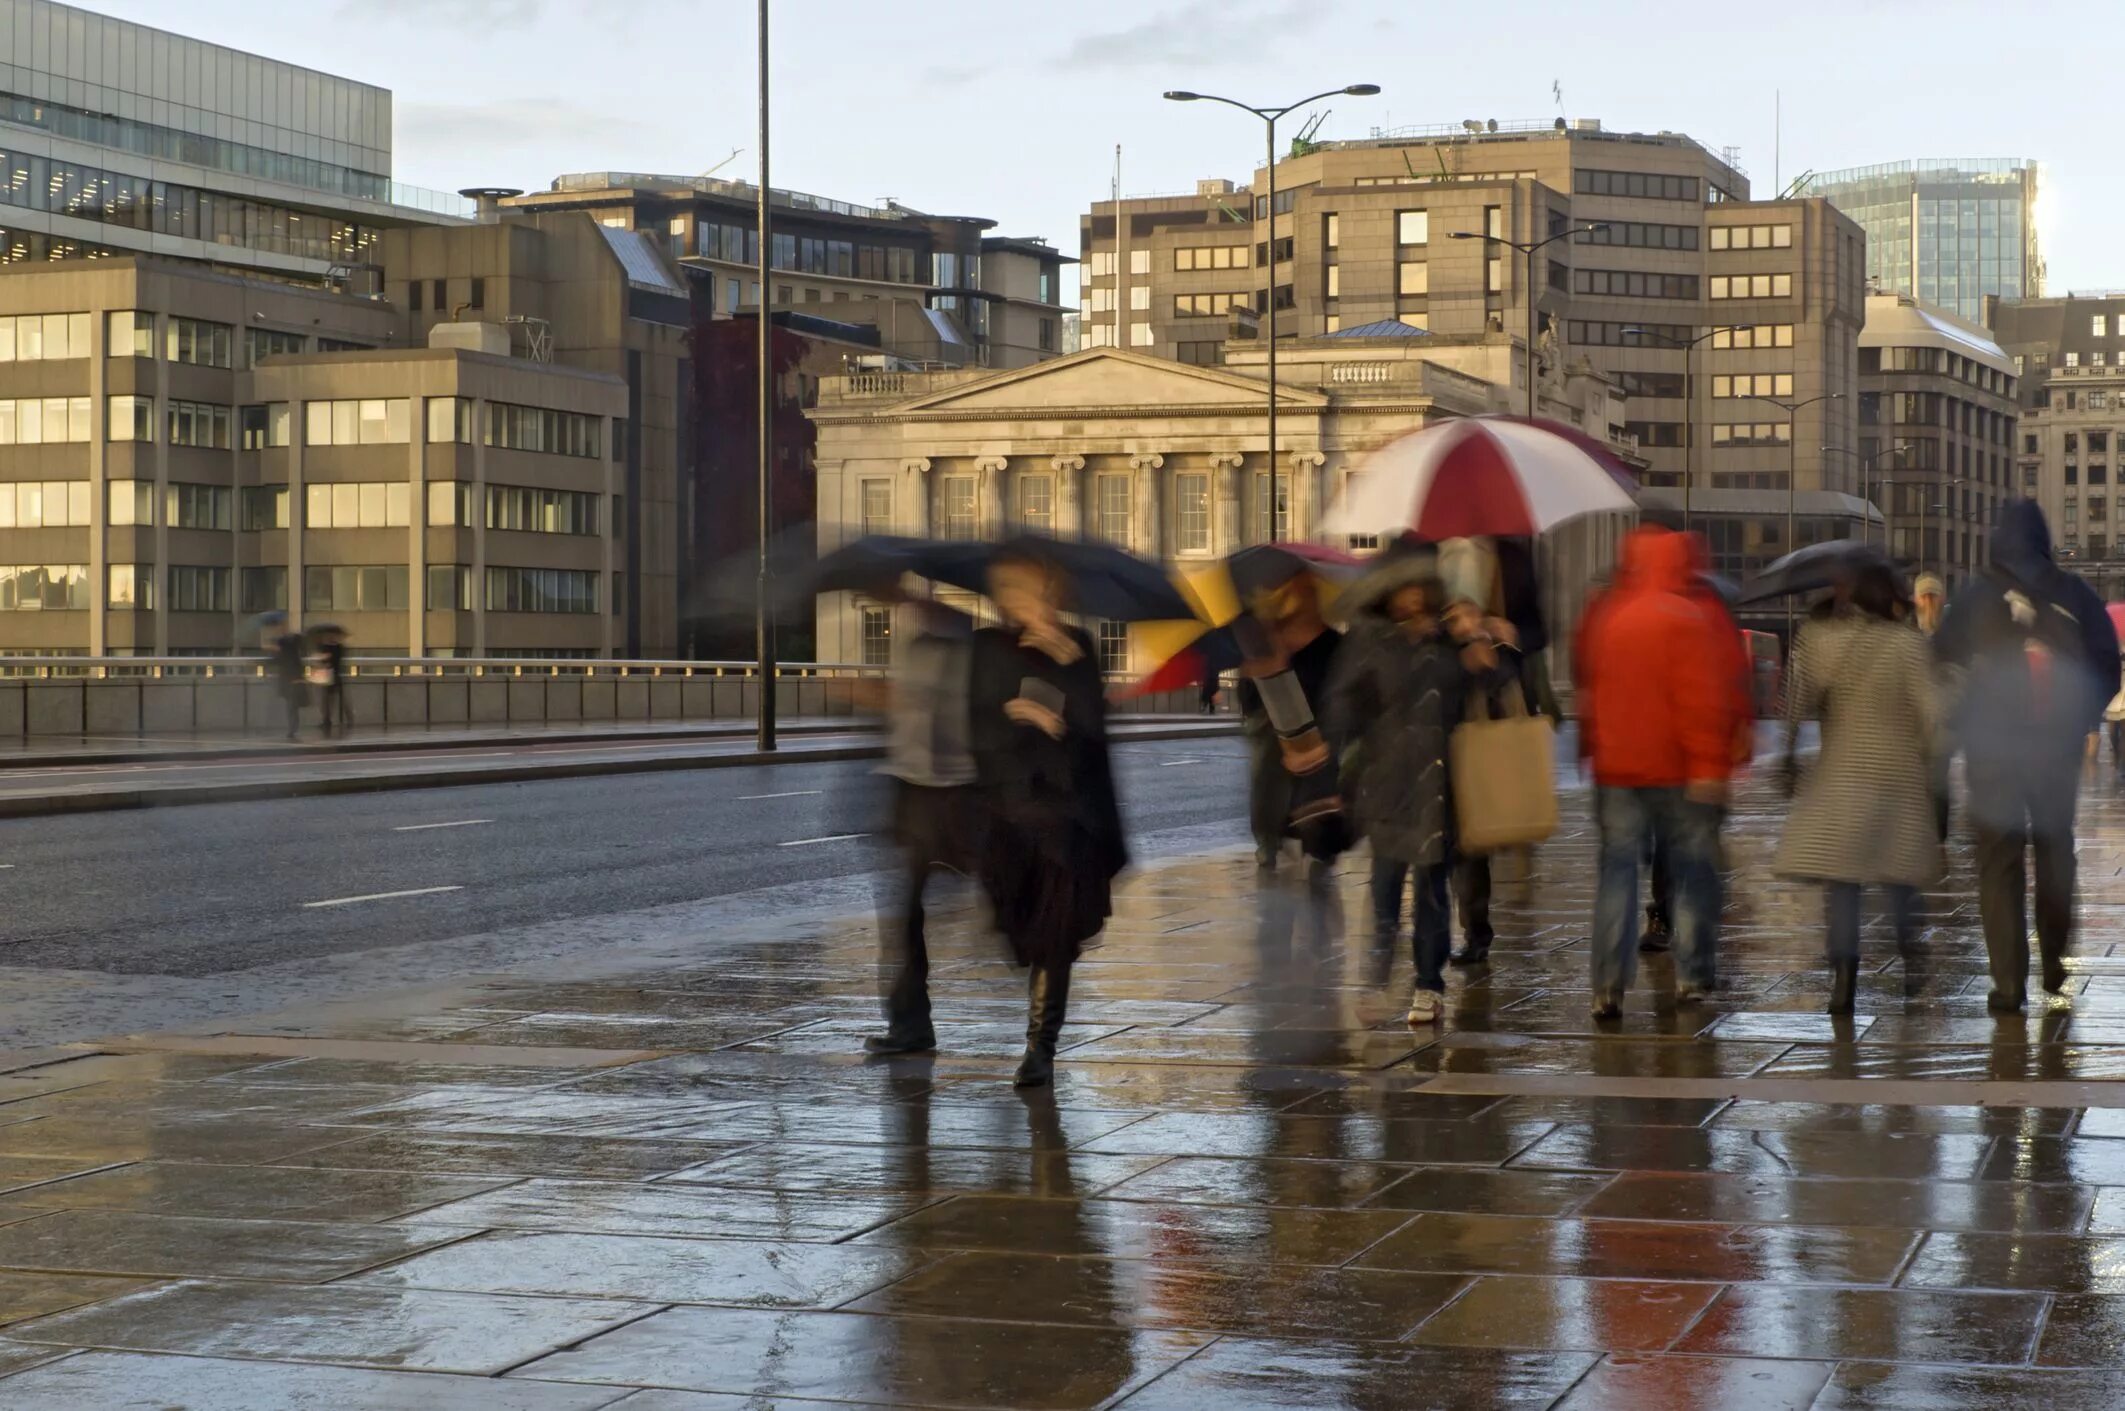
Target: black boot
{"type": "Point", "coordinates": [1844, 985]}
{"type": "Point", "coordinates": [1048, 996]}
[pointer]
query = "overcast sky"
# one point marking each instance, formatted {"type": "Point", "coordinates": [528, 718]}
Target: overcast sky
{"type": "Point", "coordinates": [1012, 109]}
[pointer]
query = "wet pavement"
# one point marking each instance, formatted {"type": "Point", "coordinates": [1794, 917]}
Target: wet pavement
{"type": "Point", "coordinates": [1253, 1185]}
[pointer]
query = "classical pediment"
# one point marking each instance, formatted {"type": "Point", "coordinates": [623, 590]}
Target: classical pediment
{"type": "Point", "coordinates": [1101, 377]}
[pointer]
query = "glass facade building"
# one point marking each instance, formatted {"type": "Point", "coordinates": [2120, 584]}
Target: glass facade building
{"type": "Point", "coordinates": [1946, 232]}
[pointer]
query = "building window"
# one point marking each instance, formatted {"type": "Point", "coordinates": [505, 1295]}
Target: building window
{"type": "Point", "coordinates": [1206, 305]}
{"type": "Point", "coordinates": [1413, 227]}
{"type": "Point", "coordinates": [877, 514]}
{"type": "Point", "coordinates": [1751, 286]}
{"type": "Point", "coordinates": [449, 504]}
{"type": "Point", "coordinates": [197, 424]}
{"type": "Point", "coordinates": [1413, 278]}
{"type": "Point", "coordinates": [262, 343]}
{"type": "Point", "coordinates": [477, 298]}
{"type": "Point", "coordinates": [1651, 186]}
{"type": "Point", "coordinates": [1331, 231]}
{"type": "Point", "coordinates": [1047, 335]}
{"type": "Point", "coordinates": [30, 338]}
{"type": "Point", "coordinates": [263, 507]}
{"type": "Point", "coordinates": [1753, 433]}
{"type": "Point", "coordinates": [1494, 222]}
{"type": "Point", "coordinates": [263, 425]}
{"type": "Point", "coordinates": [877, 636]}
{"type": "Point", "coordinates": [1761, 335]}
{"type": "Point", "coordinates": [1335, 282]}
{"type": "Point", "coordinates": [1752, 237]}
{"type": "Point", "coordinates": [129, 502]}
{"type": "Point", "coordinates": [2098, 324]}
{"type": "Point", "coordinates": [1202, 353]}
{"type": "Point", "coordinates": [413, 296]}
{"type": "Point", "coordinates": [1494, 276]}
{"type": "Point", "coordinates": [46, 587]}
{"type": "Point", "coordinates": [129, 333]}
{"type": "Point", "coordinates": [1279, 527]}
{"type": "Point", "coordinates": [130, 586]}
{"type": "Point", "coordinates": [199, 589]}
{"type": "Point", "coordinates": [1036, 504]}
{"type": "Point", "coordinates": [1654, 433]}
{"type": "Point", "coordinates": [1642, 235]}
{"type": "Point", "coordinates": [130, 419]}
{"type": "Point", "coordinates": [1113, 647]}
{"type": "Point", "coordinates": [2073, 360]}
{"type": "Point", "coordinates": [514, 428]}
{"type": "Point", "coordinates": [264, 589]}
{"type": "Point", "coordinates": [358, 504]}
{"type": "Point", "coordinates": [45, 504]}
{"type": "Point", "coordinates": [439, 296]}
{"type": "Point", "coordinates": [1201, 257]}
{"type": "Point", "coordinates": [449, 588]}
{"type": "Point", "coordinates": [1634, 284]}
{"type": "Point", "coordinates": [197, 507]}
{"type": "Point", "coordinates": [203, 344]}
{"type": "Point", "coordinates": [1111, 511]}
{"type": "Point", "coordinates": [956, 511]}
{"type": "Point", "coordinates": [532, 511]}
{"type": "Point", "coordinates": [545, 590]}
{"type": "Point", "coordinates": [1762, 384]}
{"type": "Point", "coordinates": [370, 422]}
{"type": "Point", "coordinates": [1191, 503]}
{"type": "Point", "coordinates": [450, 420]}
{"type": "Point", "coordinates": [356, 588]}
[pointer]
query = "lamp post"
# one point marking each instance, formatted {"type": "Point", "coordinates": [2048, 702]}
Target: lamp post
{"type": "Point", "coordinates": [1689, 396]}
{"type": "Point", "coordinates": [1868, 479]}
{"type": "Point", "coordinates": [1529, 250]}
{"type": "Point", "coordinates": [1269, 118]}
{"type": "Point", "coordinates": [1792, 411]}
{"type": "Point", "coordinates": [764, 623]}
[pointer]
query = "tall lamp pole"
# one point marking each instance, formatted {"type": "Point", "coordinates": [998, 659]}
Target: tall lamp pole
{"type": "Point", "coordinates": [1792, 411]}
{"type": "Point", "coordinates": [1869, 481]}
{"type": "Point", "coordinates": [1689, 395]}
{"type": "Point", "coordinates": [764, 625]}
{"type": "Point", "coordinates": [1269, 118]}
{"type": "Point", "coordinates": [1533, 294]}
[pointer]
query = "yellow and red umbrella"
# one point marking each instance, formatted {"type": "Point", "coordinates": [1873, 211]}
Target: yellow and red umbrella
{"type": "Point", "coordinates": [1191, 650]}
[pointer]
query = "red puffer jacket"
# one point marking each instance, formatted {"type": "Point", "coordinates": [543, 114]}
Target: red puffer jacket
{"type": "Point", "coordinates": [1659, 672]}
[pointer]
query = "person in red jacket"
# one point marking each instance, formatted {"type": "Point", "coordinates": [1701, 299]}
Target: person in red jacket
{"type": "Point", "coordinates": [1659, 715]}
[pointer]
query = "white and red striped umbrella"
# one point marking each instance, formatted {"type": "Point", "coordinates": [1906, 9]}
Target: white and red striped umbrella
{"type": "Point", "coordinates": [1482, 475]}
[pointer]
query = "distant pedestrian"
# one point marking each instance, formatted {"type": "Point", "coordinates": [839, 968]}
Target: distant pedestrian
{"type": "Point", "coordinates": [1038, 725]}
{"type": "Point", "coordinates": [1303, 643]}
{"type": "Point", "coordinates": [931, 765]}
{"type": "Point", "coordinates": [1661, 701]}
{"type": "Point", "coordinates": [328, 673]}
{"type": "Point", "coordinates": [291, 671]}
{"type": "Point", "coordinates": [2038, 657]}
{"type": "Point", "coordinates": [1929, 598]}
{"type": "Point", "coordinates": [1863, 814]}
{"type": "Point", "coordinates": [1206, 697]}
{"type": "Point", "coordinates": [1402, 681]}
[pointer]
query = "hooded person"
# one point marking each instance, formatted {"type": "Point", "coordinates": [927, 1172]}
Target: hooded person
{"type": "Point", "coordinates": [2037, 657]}
{"type": "Point", "coordinates": [1659, 709]}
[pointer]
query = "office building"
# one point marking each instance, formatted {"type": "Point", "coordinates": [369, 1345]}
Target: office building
{"type": "Point", "coordinates": [117, 138]}
{"type": "Point", "coordinates": [929, 290]}
{"type": "Point", "coordinates": [1948, 233]}
{"type": "Point", "coordinates": [1393, 227]}
{"type": "Point", "coordinates": [1164, 458]}
{"type": "Point", "coordinates": [1938, 405]}
{"type": "Point", "coordinates": [2070, 353]}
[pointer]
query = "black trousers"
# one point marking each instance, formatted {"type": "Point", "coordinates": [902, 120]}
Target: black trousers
{"type": "Point", "coordinates": [2018, 808]}
{"type": "Point", "coordinates": [932, 826]}
{"type": "Point", "coordinates": [332, 706]}
{"type": "Point", "coordinates": [1472, 896]}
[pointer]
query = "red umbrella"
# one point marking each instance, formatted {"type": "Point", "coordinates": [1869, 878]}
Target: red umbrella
{"type": "Point", "coordinates": [1503, 476]}
{"type": "Point", "coordinates": [2117, 617]}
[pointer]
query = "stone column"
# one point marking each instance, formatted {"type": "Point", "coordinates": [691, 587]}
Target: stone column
{"type": "Point", "coordinates": [1226, 475]}
{"type": "Point", "coordinates": [914, 517]}
{"type": "Point", "coordinates": [1147, 534]}
{"type": "Point", "coordinates": [990, 510]}
{"type": "Point", "coordinates": [1305, 492]}
{"type": "Point", "coordinates": [1069, 496]}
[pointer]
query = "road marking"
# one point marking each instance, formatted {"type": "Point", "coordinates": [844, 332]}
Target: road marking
{"type": "Point", "coordinates": [833, 838]}
{"type": "Point", "coordinates": [380, 896]}
{"type": "Point", "coordinates": [423, 827]}
{"type": "Point", "coordinates": [1176, 763]}
{"type": "Point", "coordinates": [792, 794]}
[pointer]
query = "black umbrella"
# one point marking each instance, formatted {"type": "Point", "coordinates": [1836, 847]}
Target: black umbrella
{"type": "Point", "coordinates": [1106, 581]}
{"type": "Point", "coordinates": [880, 560]}
{"type": "Point", "coordinates": [1830, 564]}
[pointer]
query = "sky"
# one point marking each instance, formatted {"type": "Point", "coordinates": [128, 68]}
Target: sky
{"type": "Point", "coordinates": [1013, 110]}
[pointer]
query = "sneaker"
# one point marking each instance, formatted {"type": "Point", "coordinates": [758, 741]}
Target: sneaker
{"type": "Point", "coordinates": [1607, 1005]}
{"type": "Point", "coordinates": [1424, 1007]}
{"type": "Point", "coordinates": [894, 1041]}
{"type": "Point", "coordinates": [2004, 1004]}
{"type": "Point", "coordinates": [1470, 955]}
{"type": "Point", "coordinates": [1692, 994]}
{"type": "Point", "coordinates": [1655, 938]}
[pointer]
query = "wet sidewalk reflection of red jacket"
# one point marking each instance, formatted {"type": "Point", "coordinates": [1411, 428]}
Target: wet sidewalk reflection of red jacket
{"type": "Point", "coordinates": [1660, 669]}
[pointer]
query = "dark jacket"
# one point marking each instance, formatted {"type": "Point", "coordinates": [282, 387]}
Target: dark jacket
{"type": "Point", "coordinates": [2036, 647]}
{"type": "Point", "coordinates": [1396, 701]}
{"type": "Point", "coordinates": [290, 667]}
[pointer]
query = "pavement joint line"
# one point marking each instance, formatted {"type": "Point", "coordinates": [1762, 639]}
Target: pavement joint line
{"type": "Point", "coordinates": [424, 827]}
{"type": "Point", "coordinates": [829, 838]}
{"type": "Point", "coordinates": [789, 794]}
{"type": "Point", "coordinates": [382, 896]}
{"type": "Point", "coordinates": [1861, 1092]}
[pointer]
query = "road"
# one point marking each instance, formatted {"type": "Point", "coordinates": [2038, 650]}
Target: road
{"type": "Point", "coordinates": [217, 889]}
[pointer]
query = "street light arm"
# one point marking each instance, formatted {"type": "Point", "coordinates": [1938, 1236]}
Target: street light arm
{"type": "Point", "coordinates": [1266, 114]}
{"type": "Point", "coordinates": [1351, 89]}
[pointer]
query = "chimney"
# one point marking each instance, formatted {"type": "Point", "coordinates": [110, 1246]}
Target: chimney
{"type": "Point", "coordinates": [487, 201]}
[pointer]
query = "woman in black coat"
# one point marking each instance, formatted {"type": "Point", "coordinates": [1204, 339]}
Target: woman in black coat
{"type": "Point", "coordinates": [1038, 725]}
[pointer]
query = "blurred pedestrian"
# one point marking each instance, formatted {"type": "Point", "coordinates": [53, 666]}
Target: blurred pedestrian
{"type": "Point", "coordinates": [1303, 643]}
{"type": "Point", "coordinates": [930, 763]}
{"type": "Point", "coordinates": [2038, 658]}
{"type": "Point", "coordinates": [1863, 814]}
{"type": "Point", "coordinates": [1929, 597]}
{"type": "Point", "coordinates": [1037, 722]}
{"type": "Point", "coordinates": [291, 670]}
{"type": "Point", "coordinates": [1402, 681]}
{"type": "Point", "coordinates": [328, 673]}
{"type": "Point", "coordinates": [1206, 697]}
{"type": "Point", "coordinates": [1660, 703]}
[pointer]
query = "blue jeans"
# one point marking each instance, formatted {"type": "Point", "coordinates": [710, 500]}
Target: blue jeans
{"type": "Point", "coordinates": [1840, 905]}
{"type": "Point", "coordinates": [1431, 938]}
{"type": "Point", "coordinates": [1630, 819]}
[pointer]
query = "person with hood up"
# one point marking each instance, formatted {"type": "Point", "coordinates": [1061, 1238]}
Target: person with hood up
{"type": "Point", "coordinates": [1660, 706]}
{"type": "Point", "coordinates": [1401, 683]}
{"type": "Point", "coordinates": [2038, 658]}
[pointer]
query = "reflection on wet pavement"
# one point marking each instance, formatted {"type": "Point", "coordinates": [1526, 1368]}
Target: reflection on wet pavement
{"type": "Point", "coordinates": [1253, 1184]}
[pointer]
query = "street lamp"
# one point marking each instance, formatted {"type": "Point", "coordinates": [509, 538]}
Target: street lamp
{"type": "Point", "coordinates": [1689, 396]}
{"type": "Point", "coordinates": [1868, 466]}
{"type": "Point", "coordinates": [1529, 251]}
{"type": "Point", "coordinates": [1792, 411]}
{"type": "Point", "coordinates": [764, 620]}
{"type": "Point", "coordinates": [1269, 118]}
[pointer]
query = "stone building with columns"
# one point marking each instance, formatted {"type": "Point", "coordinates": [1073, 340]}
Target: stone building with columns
{"type": "Point", "coordinates": [1164, 458]}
